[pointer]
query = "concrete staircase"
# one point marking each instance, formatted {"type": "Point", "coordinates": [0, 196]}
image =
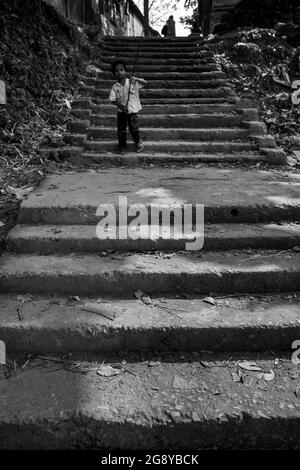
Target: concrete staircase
{"type": "Point", "coordinates": [190, 111]}
{"type": "Point", "coordinates": [139, 303]}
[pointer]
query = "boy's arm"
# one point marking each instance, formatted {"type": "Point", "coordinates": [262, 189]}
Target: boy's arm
{"type": "Point", "coordinates": [140, 81]}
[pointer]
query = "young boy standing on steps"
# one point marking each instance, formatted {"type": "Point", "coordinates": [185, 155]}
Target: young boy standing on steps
{"type": "Point", "coordinates": [125, 95]}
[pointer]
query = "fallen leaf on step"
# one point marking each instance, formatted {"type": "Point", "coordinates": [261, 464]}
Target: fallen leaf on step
{"type": "Point", "coordinates": [104, 310]}
{"type": "Point", "coordinates": [209, 300]}
{"type": "Point", "coordinates": [237, 376]}
{"type": "Point", "coordinates": [146, 299]}
{"type": "Point", "coordinates": [154, 363]}
{"type": "Point", "coordinates": [20, 193]}
{"type": "Point", "coordinates": [262, 385]}
{"type": "Point", "coordinates": [204, 364]}
{"type": "Point", "coordinates": [139, 294]}
{"type": "Point", "coordinates": [252, 366]}
{"type": "Point", "coordinates": [108, 371]}
{"type": "Point", "coordinates": [68, 104]}
{"type": "Point", "coordinates": [269, 376]}
{"type": "Point", "coordinates": [294, 374]}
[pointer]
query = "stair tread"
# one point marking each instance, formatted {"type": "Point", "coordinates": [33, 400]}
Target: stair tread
{"type": "Point", "coordinates": [51, 239]}
{"type": "Point", "coordinates": [249, 191]}
{"type": "Point", "coordinates": [185, 322]}
{"type": "Point", "coordinates": [188, 405]}
{"type": "Point", "coordinates": [121, 275]}
{"type": "Point", "coordinates": [211, 231]}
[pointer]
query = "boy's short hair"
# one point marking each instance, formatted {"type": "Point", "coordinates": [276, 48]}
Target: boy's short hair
{"type": "Point", "coordinates": [116, 63]}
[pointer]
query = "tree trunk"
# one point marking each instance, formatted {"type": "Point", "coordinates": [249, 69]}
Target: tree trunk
{"type": "Point", "coordinates": [146, 15]}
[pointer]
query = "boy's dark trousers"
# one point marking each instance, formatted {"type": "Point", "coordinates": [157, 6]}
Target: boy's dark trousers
{"type": "Point", "coordinates": [132, 120]}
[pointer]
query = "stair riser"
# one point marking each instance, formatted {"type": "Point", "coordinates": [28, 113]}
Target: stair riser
{"type": "Point", "coordinates": [161, 109]}
{"type": "Point", "coordinates": [186, 147]}
{"type": "Point", "coordinates": [173, 134]}
{"type": "Point", "coordinates": [149, 75]}
{"type": "Point", "coordinates": [184, 69]}
{"type": "Point", "coordinates": [85, 215]}
{"type": "Point", "coordinates": [153, 83]}
{"type": "Point", "coordinates": [115, 340]}
{"type": "Point", "coordinates": [84, 432]}
{"type": "Point", "coordinates": [176, 101]}
{"type": "Point", "coordinates": [123, 284]}
{"type": "Point", "coordinates": [179, 84]}
{"type": "Point", "coordinates": [176, 93]}
{"type": "Point", "coordinates": [153, 42]}
{"type": "Point", "coordinates": [91, 244]}
{"type": "Point", "coordinates": [185, 121]}
{"type": "Point", "coordinates": [133, 159]}
{"type": "Point", "coordinates": [131, 61]}
{"type": "Point", "coordinates": [133, 54]}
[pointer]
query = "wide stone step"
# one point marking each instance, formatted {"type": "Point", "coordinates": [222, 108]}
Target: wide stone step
{"type": "Point", "coordinates": [229, 195]}
{"type": "Point", "coordinates": [171, 401]}
{"type": "Point", "coordinates": [176, 93]}
{"type": "Point", "coordinates": [154, 54]}
{"type": "Point", "coordinates": [233, 324]}
{"type": "Point", "coordinates": [208, 77]}
{"type": "Point", "coordinates": [147, 61]}
{"type": "Point", "coordinates": [77, 156]}
{"type": "Point", "coordinates": [167, 49]}
{"type": "Point", "coordinates": [159, 159]}
{"type": "Point", "coordinates": [175, 101]}
{"type": "Point", "coordinates": [168, 75]}
{"type": "Point", "coordinates": [169, 84]}
{"type": "Point", "coordinates": [184, 69]}
{"type": "Point", "coordinates": [63, 239]}
{"type": "Point", "coordinates": [169, 146]}
{"type": "Point", "coordinates": [190, 121]}
{"type": "Point", "coordinates": [152, 134]}
{"type": "Point", "coordinates": [171, 109]}
{"type": "Point", "coordinates": [160, 41]}
{"type": "Point", "coordinates": [121, 276]}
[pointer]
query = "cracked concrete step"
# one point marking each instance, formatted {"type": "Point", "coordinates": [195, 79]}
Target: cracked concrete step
{"type": "Point", "coordinates": [171, 84]}
{"type": "Point", "coordinates": [167, 146]}
{"type": "Point", "coordinates": [76, 155]}
{"type": "Point", "coordinates": [174, 93]}
{"type": "Point", "coordinates": [170, 401]}
{"type": "Point", "coordinates": [232, 324]}
{"type": "Point", "coordinates": [133, 158]}
{"type": "Point", "coordinates": [152, 134]}
{"type": "Point", "coordinates": [63, 239]}
{"type": "Point", "coordinates": [230, 195]}
{"type": "Point", "coordinates": [168, 75]}
{"type": "Point", "coordinates": [190, 121]}
{"type": "Point", "coordinates": [121, 276]}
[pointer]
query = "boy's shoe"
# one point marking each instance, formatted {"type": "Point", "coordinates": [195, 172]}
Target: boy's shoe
{"type": "Point", "coordinates": [140, 147]}
{"type": "Point", "coordinates": [122, 151]}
